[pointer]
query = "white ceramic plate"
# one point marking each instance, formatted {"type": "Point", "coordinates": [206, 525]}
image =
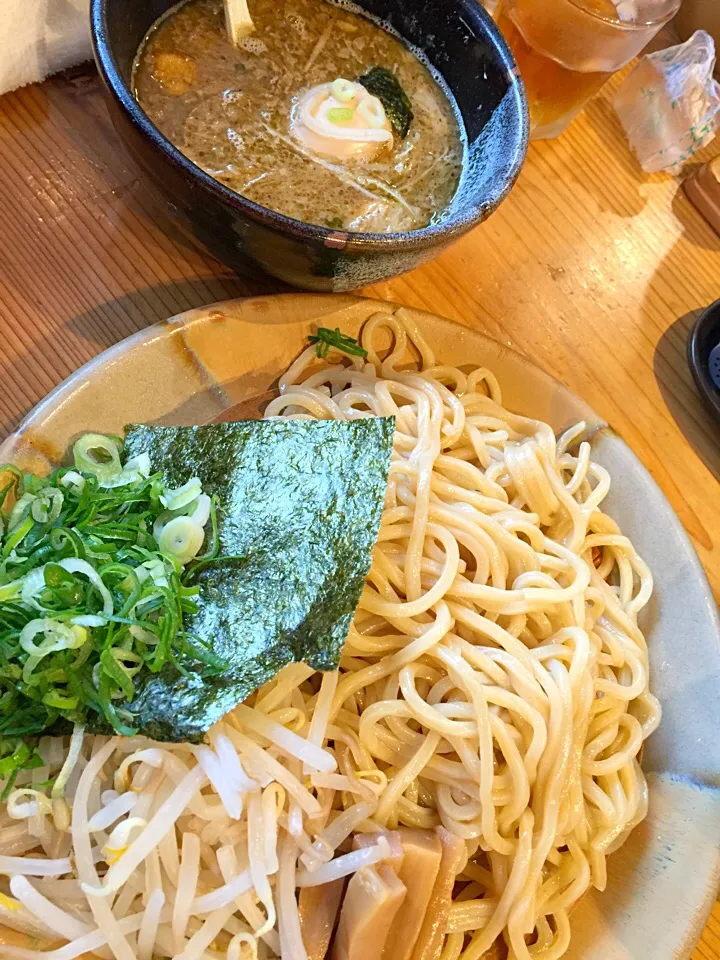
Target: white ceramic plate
{"type": "Point", "coordinates": [197, 366]}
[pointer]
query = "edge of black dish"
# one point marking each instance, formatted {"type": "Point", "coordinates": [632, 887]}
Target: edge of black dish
{"type": "Point", "coordinates": [704, 336]}
{"type": "Point", "coordinates": [487, 89]}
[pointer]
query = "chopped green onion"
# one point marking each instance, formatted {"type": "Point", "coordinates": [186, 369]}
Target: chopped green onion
{"type": "Point", "coordinates": [325, 338]}
{"type": "Point", "coordinates": [114, 671]}
{"type": "Point", "coordinates": [89, 600]}
{"type": "Point", "coordinates": [17, 536]}
{"type": "Point", "coordinates": [47, 506]}
{"type": "Point", "coordinates": [12, 590]}
{"type": "Point", "coordinates": [139, 465]}
{"type": "Point", "coordinates": [184, 495]}
{"type": "Point", "coordinates": [82, 566]}
{"type": "Point", "coordinates": [201, 513]}
{"type": "Point", "coordinates": [56, 701]}
{"type": "Point", "coordinates": [155, 569]}
{"type": "Point", "coordinates": [56, 576]}
{"type": "Point", "coordinates": [20, 511]}
{"type": "Point", "coordinates": [372, 112]}
{"type": "Point", "coordinates": [32, 586]}
{"type": "Point", "coordinates": [57, 635]}
{"type": "Point", "coordinates": [97, 455]}
{"type": "Point", "coordinates": [183, 538]}
{"type": "Point", "coordinates": [142, 634]}
{"type": "Point", "coordinates": [343, 90]}
{"type": "Point", "coordinates": [89, 620]}
{"type": "Point", "coordinates": [340, 114]}
{"type": "Point", "coordinates": [74, 480]}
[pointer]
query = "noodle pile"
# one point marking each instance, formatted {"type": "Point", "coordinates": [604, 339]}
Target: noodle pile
{"type": "Point", "coordinates": [495, 681]}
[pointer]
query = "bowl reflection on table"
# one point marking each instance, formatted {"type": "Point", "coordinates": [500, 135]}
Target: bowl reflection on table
{"type": "Point", "coordinates": [464, 45]}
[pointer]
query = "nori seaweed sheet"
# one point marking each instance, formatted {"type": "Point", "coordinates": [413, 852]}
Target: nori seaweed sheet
{"type": "Point", "coordinates": [300, 506]}
{"type": "Point", "coordinates": [384, 85]}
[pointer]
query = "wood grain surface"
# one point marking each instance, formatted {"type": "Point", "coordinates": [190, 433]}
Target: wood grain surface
{"type": "Point", "coordinates": [591, 268]}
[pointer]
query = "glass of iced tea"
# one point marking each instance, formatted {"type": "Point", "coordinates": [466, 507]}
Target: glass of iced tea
{"type": "Point", "coordinates": [567, 49]}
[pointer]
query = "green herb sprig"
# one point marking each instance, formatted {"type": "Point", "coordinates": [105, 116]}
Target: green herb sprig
{"type": "Point", "coordinates": [325, 338]}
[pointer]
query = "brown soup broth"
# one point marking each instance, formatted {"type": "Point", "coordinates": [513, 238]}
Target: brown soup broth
{"type": "Point", "coordinates": [228, 110]}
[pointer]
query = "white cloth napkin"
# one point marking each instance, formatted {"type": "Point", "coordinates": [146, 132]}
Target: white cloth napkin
{"type": "Point", "coordinates": [40, 37]}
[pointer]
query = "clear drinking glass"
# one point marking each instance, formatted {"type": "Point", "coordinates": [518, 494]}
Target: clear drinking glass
{"type": "Point", "coordinates": [567, 49]}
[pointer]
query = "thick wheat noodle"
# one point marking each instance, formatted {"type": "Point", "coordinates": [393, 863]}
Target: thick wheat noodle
{"type": "Point", "coordinates": [495, 681]}
{"type": "Point", "coordinates": [525, 554]}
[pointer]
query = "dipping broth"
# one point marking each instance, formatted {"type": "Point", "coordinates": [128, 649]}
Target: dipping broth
{"type": "Point", "coordinates": [236, 112]}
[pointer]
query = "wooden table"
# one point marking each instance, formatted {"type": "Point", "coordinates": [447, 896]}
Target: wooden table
{"type": "Point", "coordinates": [592, 269]}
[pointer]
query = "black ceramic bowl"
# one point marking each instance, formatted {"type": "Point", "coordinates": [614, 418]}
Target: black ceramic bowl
{"type": "Point", "coordinates": [459, 39]}
{"type": "Point", "coordinates": [705, 336]}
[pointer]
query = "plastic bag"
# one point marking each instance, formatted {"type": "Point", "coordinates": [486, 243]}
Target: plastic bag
{"type": "Point", "coordinates": [669, 103]}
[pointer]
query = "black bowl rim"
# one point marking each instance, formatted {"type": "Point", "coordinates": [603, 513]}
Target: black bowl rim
{"type": "Point", "coordinates": [430, 236]}
{"type": "Point", "coordinates": [698, 361]}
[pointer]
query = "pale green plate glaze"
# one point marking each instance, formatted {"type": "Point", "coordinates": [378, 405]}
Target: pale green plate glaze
{"type": "Point", "coordinates": [198, 366]}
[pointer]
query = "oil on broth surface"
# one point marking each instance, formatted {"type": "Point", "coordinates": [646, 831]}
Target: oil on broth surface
{"type": "Point", "coordinates": [228, 110]}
